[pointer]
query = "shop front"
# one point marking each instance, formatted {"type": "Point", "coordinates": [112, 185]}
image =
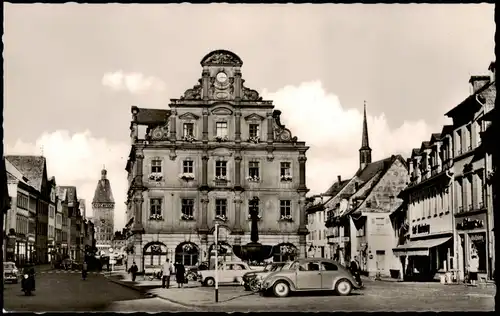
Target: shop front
{"type": "Point", "coordinates": [425, 257]}
{"type": "Point", "coordinates": [471, 232]}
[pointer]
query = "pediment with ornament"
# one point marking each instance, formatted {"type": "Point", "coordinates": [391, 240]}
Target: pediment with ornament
{"type": "Point", "coordinates": [249, 94]}
{"type": "Point", "coordinates": [160, 132]}
{"type": "Point", "coordinates": [189, 116]}
{"type": "Point", "coordinates": [222, 111]}
{"type": "Point", "coordinates": [281, 133]}
{"type": "Point", "coordinates": [254, 117]}
{"type": "Point", "coordinates": [193, 93]}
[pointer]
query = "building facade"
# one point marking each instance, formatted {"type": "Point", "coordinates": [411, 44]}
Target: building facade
{"type": "Point", "coordinates": [73, 223]}
{"type": "Point", "coordinates": [358, 211]}
{"type": "Point", "coordinates": [450, 198]}
{"type": "Point", "coordinates": [62, 209]}
{"type": "Point", "coordinates": [103, 206]}
{"type": "Point", "coordinates": [51, 229]}
{"type": "Point", "coordinates": [317, 242]}
{"type": "Point", "coordinates": [219, 150]}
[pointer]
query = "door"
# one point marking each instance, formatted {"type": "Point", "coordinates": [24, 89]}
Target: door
{"type": "Point", "coordinates": [309, 276]}
{"type": "Point", "coordinates": [329, 272]}
{"type": "Point", "coordinates": [239, 270]}
{"type": "Point", "coordinates": [380, 261]}
{"type": "Point", "coordinates": [226, 274]}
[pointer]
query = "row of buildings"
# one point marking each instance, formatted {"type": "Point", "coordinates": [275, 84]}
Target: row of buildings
{"type": "Point", "coordinates": [421, 216]}
{"type": "Point", "coordinates": [43, 222]}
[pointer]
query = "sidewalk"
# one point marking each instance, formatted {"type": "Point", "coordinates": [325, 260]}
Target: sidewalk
{"type": "Point", "coordinates": [487, 284]}
{"type": "Point", "coordinates": [191, 295]}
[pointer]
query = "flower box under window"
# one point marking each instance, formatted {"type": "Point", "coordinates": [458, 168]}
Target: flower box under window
{"type": "Point", "coordinates": [155, 217]}
{"type": "Point", "coordinates": [221, 217]}
{"type": "Point", "coordinates": [189, 138]}
{"type": "Point", "coordinates": [253, 179]}
{"type": "Point", "coordinates": [186, 217]}
{"type": "Point", "coordinates": [221, 138]}
{"type": "Point", "coordinates": [258, 217]}
{"type": "Point", "coordinates": [286, 178]}
{"type": "Point", "coordinates": [287, 218]}
{"type": "Point", "coordinates": [155, 176]}
{"type": "Point", "coordinates": [254, 139]}
{"type": "Point", "coordinates": [186, 176]}
{"type": "Point", "coordinates": [221, 178]}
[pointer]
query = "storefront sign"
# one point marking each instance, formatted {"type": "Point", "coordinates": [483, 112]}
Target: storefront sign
{"type": "Point", "coordinates": [477, 237]}
{"type": "Point", "coordinates": [469, 223]}
{"type": "Point", "coordinates": [421, 229]}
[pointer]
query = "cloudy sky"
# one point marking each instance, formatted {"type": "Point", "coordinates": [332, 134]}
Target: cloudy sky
{"type": "Point", "coordinates": [72, 72]}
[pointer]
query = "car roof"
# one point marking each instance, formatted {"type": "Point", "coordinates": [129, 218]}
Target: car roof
{"type": "Point", "coordinates": [9, 262]}
{"type": "Point", "coordinates": [315, 260]}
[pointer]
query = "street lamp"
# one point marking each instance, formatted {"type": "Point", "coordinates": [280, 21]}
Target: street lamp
{"type": "Point", "coordinates": [216, 263]}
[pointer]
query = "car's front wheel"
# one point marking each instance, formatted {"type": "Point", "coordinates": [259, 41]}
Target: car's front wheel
{"type": "Point", "coordinates": [343, 287]}
{"type": "Point", "coordinates": [281, 289]}
{"type": "Point", "coordinates": [209, 282]}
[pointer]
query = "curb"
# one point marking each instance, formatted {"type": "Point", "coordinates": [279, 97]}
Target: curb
{"type": "Point", "coordinates": [154, 295]}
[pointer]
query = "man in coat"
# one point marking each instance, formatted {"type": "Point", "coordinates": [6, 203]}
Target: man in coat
{"type": "Point", "coordinates": [354, 267]}
{"type": "Point", "coordinates": [167, 269]}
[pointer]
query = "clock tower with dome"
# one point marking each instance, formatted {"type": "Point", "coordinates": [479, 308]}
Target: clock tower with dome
{"type": "Point", "coordinates": [218, 154]}
{"type": "Point", "coordinates": [103, 206]}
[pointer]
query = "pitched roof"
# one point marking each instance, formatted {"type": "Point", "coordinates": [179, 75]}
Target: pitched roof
{"type": "Point", "coordinates": [32, 167]}
{"type": "Point", "coordinates": [151, 116]}
{"type": "Point", "coordinates": [377, 172]}
{"type": "Point", "coordinates": [62, 193]}
{"type": "Point", "coordinates": [336, 187]}
{"type": "Point", "coordinates": [372, 169]}
{"type": "Point", "coordinates": [435, 137]}
{"type": "Point", "coordinates": [103, 193]}
{"type": "Point", "coordinates": [447, 130]}
{"type": "Point", "coordinates": [71, 193]}
{"type": "Point", "coordinates": [415, 152]}
{"type": "Point", "coordinates": [425, 145]}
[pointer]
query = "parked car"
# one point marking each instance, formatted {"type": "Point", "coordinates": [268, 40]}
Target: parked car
{"type": "Point", "coordinates": [11, 273]}
{"type": "Point", "coordinates": [229, 272]}
{"type": "Point", "coordinates": [192, 272]}
{"type": "Point", "coordinates": [249, 278]}
{"type": "Point", "coordinates": [310, 274]}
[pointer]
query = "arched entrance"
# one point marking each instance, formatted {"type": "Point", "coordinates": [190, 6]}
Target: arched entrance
{"type": "Point", "coordinates": [225, 251]}
{"type": "Point", "coordinates": [284, 252]}
{"type": "Point", "coordinates": [187, 253]}
{"type": "Point", "coordinates": [154, 254]}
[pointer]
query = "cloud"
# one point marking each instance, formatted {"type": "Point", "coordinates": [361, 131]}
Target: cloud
{"type": "Point", "coordinates": [135, 83]}
{"type": "Point", "coordinates": [334, 132]}
{"type": "Point", "coordinates": [77, 160]}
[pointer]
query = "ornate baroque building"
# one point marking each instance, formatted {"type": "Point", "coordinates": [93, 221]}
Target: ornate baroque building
{"type": "Point", "coordinates": [103, 206]}
{"type": "Point", "coordinates": [206, 160]}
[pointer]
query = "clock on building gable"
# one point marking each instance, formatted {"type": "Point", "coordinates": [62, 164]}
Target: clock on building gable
{"type": "Point", "coordinates": [221, 77]}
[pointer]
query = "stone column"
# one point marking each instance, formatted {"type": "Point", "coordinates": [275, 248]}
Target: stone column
{"type": "Point", "coordinates": [204, 211]}
{"type": "Point", "coordinates": [237, 214]}
{"type": "Point", "coordinates": [138, 199]}
{"type": "Point", "coordinates": [173, 127]}
{"type": "Point", "coordinates": [302, 231]}
{"type": "Point", "coordinates": [204, 170]}
{"type": "Point", "coordinates": [237, 168]}
{"type": "Point", "coordinates": [237, 85]}
{"type": "Point", "coordinates": [237, 126]}
{"type": "Point", "coordinates": [205, 125]}
{"type": "Point", "coordinates": [302, 171]}
{"type": "Point", "coordinates": [204, 247]}
{"type": "Point", "coordinates": [205, 83]}
{"type": "Point", "coordinates": [270, 127]}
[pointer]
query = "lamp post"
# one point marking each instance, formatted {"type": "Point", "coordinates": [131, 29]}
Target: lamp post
{"type": "Point", "coordinates": [216, 263]}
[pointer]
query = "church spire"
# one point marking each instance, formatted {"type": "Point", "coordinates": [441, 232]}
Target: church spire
{"type": "Point", "coordinates": [365, 152]}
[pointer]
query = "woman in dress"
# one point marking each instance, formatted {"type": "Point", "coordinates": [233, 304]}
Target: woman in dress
{"type": "Point", "coordinates": [179, 274]}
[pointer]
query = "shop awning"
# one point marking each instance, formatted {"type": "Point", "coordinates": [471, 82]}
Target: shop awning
{"type": "Point", "coordinates": [419, 247]}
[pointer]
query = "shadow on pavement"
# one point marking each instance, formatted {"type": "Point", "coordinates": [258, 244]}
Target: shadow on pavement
{"type": "Point", "coordinates": [321, 293]}
{"type": "Point", "coordinates": [238, 296]}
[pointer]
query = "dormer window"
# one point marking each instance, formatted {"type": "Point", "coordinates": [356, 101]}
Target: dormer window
{"type": "Point", "coordinates": [254, 130]}
{"type": "Point", "coordinates": [188, 130]}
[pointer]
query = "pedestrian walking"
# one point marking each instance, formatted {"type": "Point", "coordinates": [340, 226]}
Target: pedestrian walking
{"type": "Point", "coordinates": [133, 270]}
{"type": "Point", "coordinates": [166, 271]}
{"type": "Point", "coordinates": [84, 270]}
{"type": "Point", "coordinates": [354, 268]}
{"type": "Point", "coordinates": [180, 271]}
{"type": "Point", "coordinates": [473, 269]}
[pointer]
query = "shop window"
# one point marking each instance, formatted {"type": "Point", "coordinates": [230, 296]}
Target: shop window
{"type": "Point", "coordinates": [478, 246]}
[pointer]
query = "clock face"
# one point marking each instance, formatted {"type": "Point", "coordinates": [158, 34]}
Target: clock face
{"type": "Point", "coordinates": [221, 77]}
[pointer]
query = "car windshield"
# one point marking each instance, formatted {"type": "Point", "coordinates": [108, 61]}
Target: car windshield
{"type": "Point", "coordinates": [277, 266]}
{"type": "Point", "coordinates": [7, 265]}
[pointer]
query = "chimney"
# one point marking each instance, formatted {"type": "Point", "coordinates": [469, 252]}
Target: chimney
{"type": "Point", "coordinates": [339, 178]}
{"type": "Point", "coordinates": [477, 82]}
{"type": "Point", "coordinates": [491, 69]}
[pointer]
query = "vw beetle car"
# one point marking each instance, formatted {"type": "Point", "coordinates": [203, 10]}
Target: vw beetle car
{"type": "Point", "coordinates": [249, 276]}
{"type": "Point", "coordinates": [310, 274]}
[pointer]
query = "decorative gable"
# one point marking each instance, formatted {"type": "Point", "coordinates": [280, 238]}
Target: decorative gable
{"type": "Point", "coordinates": [189, 116]}
{"type": "Point", "coordinates": [222, 111]}
{"type": "Point", "coordinates": [254, 117]}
